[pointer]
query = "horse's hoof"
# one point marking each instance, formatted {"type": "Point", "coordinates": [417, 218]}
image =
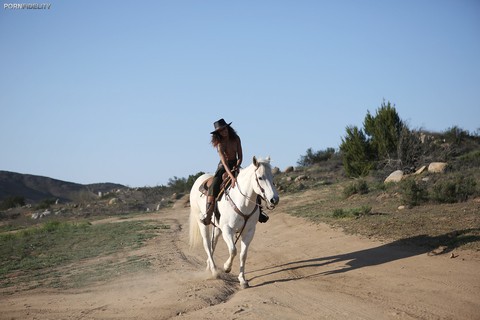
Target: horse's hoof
{"type": "Point", "coordinates": [227, 268]}
{"type": "Point", "coordinates": [244, 285]}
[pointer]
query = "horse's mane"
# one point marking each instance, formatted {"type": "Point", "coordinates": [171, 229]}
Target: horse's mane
{"type": "Point", "coordinates": [265, 162]}
{"type": "Point", "coordinates": [262, 161]}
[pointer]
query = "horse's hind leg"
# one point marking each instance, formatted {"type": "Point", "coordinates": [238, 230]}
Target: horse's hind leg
{"type": "Point", "coordinates": [216, 234]}
{"type": "Point", "coordinates": [245, 243]}
{"type": "Point", "coordinates": [208, 249]}
{"type": "Point", "coordinates": [232, 250]}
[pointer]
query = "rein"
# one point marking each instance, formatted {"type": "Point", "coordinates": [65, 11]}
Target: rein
{"type": "Point", "coordinates": [240, 213]}
{"type": "Point", "coordinates": [257, 204]}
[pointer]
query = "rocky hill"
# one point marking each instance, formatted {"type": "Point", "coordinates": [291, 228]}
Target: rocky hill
{"type": "Point", "coordinates": [37, 188]}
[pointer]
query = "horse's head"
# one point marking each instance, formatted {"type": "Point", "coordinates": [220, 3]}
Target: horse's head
{"type": "Point", "coordinates": [264, 182]}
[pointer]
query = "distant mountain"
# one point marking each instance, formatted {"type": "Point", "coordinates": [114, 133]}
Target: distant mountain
{"type": "Point", "coordinates": [37, 188]}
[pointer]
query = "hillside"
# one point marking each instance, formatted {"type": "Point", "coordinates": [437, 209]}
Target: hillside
{"type": "Point", "coordinates": [37, 188]}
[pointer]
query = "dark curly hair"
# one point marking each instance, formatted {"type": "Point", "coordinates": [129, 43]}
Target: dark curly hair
{"type": "Point", "coordinates": [217, 137]}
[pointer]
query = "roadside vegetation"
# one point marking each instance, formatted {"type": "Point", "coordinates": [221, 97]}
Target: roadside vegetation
{"type": "Point", "coordinates": [50, 254]}
{"type": "Point", "coordinates": [346, 188]}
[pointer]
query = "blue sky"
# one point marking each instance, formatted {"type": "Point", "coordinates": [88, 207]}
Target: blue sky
{"type": "Point", "coordinates": [127, 92]}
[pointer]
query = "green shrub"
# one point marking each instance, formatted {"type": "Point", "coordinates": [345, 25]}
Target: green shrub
{"type": "Point", "coordinates": [52, 226]}
{"type": "Point", "coordinates": [12, 202]}
{"type": "Point", "coordinates": [455, 135]}
{"type": "Point", "coordinates": [45, 204]}
{"type": "Point", "coordinates": [179, 185]}
{"type": "Point", "coordinates": [311, 157]}
{"type": "Point", "coordinates": [456, 189]}
{"type": "Point", "coordinates": [352, 213]}
{"type": "Point", "coordinates": [410, 149]}
{"type": "Point", "coordinates": [413, 193]}
{"type": "Point", "coordinates": [468, 160]}
{"type": "Point", "coordinates": [357, 187]}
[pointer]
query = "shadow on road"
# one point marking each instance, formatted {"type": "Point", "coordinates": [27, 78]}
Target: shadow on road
{"type": "Point", "coordinates": [393, 251]}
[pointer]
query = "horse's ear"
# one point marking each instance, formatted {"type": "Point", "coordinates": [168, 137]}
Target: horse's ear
{"type": "Point", "coordinates": [255, 162]}
{"type": "Point", "coordinates": [268, 159]}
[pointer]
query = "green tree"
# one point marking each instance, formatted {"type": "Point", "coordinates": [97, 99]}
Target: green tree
{"type": "Point", "coordinates": [176, 184]}
{"type": "Point", "coordinates": [356, 155]}
{"type": "Point", "coordinates": [312, 157]}
{"type": "Point", "coordinates": [384, 131]}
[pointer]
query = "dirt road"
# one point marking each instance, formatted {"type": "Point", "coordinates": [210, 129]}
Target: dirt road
{"type": "Point", "coordinates": [297, 270]}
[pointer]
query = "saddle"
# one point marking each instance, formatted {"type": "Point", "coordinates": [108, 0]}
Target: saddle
{"type": "Point", "coordinates": [226, 181]}
{"type": "Point", "coordinates": [263, 217]}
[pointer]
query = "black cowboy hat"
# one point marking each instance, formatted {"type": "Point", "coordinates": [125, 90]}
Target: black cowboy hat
{"type": "Point", "coordinates": [219, 125]}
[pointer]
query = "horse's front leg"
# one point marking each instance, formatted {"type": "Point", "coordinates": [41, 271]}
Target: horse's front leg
{"type": "Point", "coordinates": [245, 243]}
{"type": "Point", "coordinates": [228, 236]}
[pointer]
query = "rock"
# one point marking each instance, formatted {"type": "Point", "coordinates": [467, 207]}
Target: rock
{"type": "Point", "coordinates": [395, 176]}
{"type": "Point", "coordinates": [276, 170]}
{"type": "Point", "coordinates": [289, 169]}
{"type": "Point", "coordinates": [437, 167]}
{"type": "Point", "coordinates": [420, 171]}
{"type": "Point", "coordinates": [113, 201]}
{"type": "Point", "coordinates": [39, 215]}
{"type": "Point", "coordinates": [301, 178]}
{"type": "Point", "coordinates": [401, 207]}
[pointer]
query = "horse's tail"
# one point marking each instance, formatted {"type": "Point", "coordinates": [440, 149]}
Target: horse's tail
{"type": "Point", "coordinates": [195, 237]}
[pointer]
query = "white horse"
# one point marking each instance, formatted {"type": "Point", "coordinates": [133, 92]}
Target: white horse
{"type": "Point", "coordinates": [239, 211]}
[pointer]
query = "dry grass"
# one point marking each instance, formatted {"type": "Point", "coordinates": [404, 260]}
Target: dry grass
{"type": "Point", "coordinates": [450, 226]}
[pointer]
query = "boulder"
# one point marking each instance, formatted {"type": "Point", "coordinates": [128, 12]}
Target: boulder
{"type": "Point", "coordinates": [275, 170]}
{"type": "Point", "coordinates": [395, 176]}
{"type": "Point", "coordinates": [289, 169]}
{"type": "Point", "coordinates": [420, 171]}
{"type": "Point", "coordinates": [437, 167]}
{"type": "Point", "coordinates": [301, 178]}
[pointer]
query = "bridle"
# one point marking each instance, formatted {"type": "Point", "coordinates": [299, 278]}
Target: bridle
{"type": "Point", "coordinates": [262, 196]}
{"type": "Point", "coordinates": [262, 190]}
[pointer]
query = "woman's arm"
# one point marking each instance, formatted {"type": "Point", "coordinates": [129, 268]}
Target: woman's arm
{"type": "Point", "coordinates": [239, 152]}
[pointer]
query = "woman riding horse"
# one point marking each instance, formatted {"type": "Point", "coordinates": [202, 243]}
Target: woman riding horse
{"type": "Point", "coordinates": [229, 148]}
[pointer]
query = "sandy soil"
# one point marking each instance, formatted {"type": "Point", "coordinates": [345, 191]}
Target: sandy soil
{"type": "Point", "coordinates": [297, 270]}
